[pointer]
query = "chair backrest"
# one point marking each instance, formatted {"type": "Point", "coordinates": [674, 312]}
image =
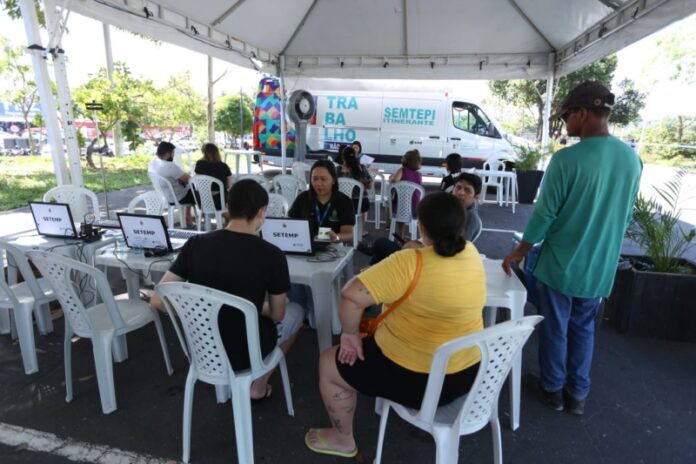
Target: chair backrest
{"type": "Point", "coordinates": [376, 176]}
{"type": "Point", "coordinates": [480, 228]}
{"type": "Point", "coordinates": [82, 201]}
{"type": "Point", "coordinates": [164, 187]}
{"type": "Point", "coordinates": [301, 170]}
{"type": "Point", "coordinates": [260, 178]}
{"type": "Point", "coordinates": [60, 272]}
{"type": "Point", "coordinates": [198, 307]}
{"type": "Point", "coordinates": [287, 185]}
{"type": "Point", "coordinates": [7, 251]}
{"type": "Point", "coordinates": [155, 203]}
{"type": "Point", "coordinates": [347, 186]}
{"type": "Point", "coordinates": [405, 191]}
{"type": "Point", "coordinates": [277, 205]}
{"type": "Point", "coordinates": [203, 185]}
{"type": "Point", "coordinates": [499, 345]}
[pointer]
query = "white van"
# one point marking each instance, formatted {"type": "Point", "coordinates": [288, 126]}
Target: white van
{"type": "Point", "coordinates": [388, 124]}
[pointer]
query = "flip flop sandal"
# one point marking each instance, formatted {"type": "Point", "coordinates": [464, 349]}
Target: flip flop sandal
{"type": "Point", "coordinates": [269, 391]}
{"type": "Point", "coordinates": [328, 450]}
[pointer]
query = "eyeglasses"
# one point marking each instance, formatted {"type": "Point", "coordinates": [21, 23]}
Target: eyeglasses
{"type": "Point", "coordinates": [567, 114]}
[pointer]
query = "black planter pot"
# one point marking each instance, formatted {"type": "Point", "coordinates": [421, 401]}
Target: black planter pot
{"type": "Point", "coordinates": [654, 304]}
{"type": "Point", "coordinates": [528, 183]}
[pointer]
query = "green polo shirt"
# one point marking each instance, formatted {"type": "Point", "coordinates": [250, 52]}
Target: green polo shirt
{"type": "Point", "coordinates": [582, 213]}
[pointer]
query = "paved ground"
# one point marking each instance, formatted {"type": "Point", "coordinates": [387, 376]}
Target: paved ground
{"type": "Point", "coordinates": [642, 408]}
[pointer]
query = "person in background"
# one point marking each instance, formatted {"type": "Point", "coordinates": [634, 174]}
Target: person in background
{"type": "Point", "coordinates": [394, 363]}
{"type": "Point", "coordinates": [357, 148]}
{"type": "Point", "coordinates": [165, 166]}
{"type": "Point", "coordinates": [237, 261]}
{"type": "Point", "coordinates": [352, 169]}
{"type": "Point", "coordinates": [454, 165]}
{"type": "Point", "coordinates": [409, 171]}
{"type": "Point", "coordinates": [467, 189]}
{"type": "Point", "coordinates": [212, 165]}
{"type": "Point", "coordinates": [581, 214]}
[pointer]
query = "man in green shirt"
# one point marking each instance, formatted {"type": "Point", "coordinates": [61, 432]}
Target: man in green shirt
{"type": "Point", "coordinates": [582, 213]}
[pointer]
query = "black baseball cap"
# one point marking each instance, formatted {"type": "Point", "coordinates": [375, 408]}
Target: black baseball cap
{"type": "Point", "coordinates": [589, 95]}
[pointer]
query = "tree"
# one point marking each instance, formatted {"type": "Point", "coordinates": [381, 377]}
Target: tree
{"type": "Point", "coordinates": [628, 104]}
{"type": "Point", "coordinates": [670, 138]}
{"type": "Point", "coordinates": [124, 100]}
{"type": "Point", "coordinates": [176, 104]}
{"type": "Point", "coordinates": [227, 115]}
{"type": "Point", "coordinates": [531, 94]}
{"type": "Point", "coordinates": [13, 11]}
{"type": "Point", "coordinates": [21, 88]}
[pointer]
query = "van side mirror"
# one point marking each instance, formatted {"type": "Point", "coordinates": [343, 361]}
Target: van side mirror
{"type": "Point", "coordinates": [491, 131]}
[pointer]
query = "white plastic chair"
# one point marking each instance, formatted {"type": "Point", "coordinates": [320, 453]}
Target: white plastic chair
{"type": "Point", "coordinates": [153, 201]}
{"type": "Point", "coordinates": [32, 295]}
{"type": "Point", "coordinates": [205, 202]}
{"type": "Point", "coordinates": [301, 170]}
{"type": "Point", "coordinates": [404, 191]}
{"type": "Point", "coordinates": [499, 345]}
{"type": "Point", "coordinates": [377, 199]}
{"type": "Point", "coordinates": [494, 164]}
{"type": "Point", "coordinates": [287, 185]}
{"type": "Point", "coordinates": [480, 229]}
{"type": "Point", "coordinates": [101, 323]}
{"type": "Point", "coordinates": [164, 187]}
{"type": "Point", "coordinates": [347, 186]}
{"type": "Point", "coordinates": [198, 307]}
{"type": "Point", "coordinates": [82, 201]}
{"type": "Point", "coordinates": [277, 205]}
{"type": "Point", "coordinates": [260, 178]}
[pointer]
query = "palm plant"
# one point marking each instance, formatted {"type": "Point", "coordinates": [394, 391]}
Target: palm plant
{"type": "Point", "coordinates": [657, 229]}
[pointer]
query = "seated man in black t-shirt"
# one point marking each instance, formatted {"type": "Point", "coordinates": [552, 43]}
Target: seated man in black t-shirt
{"type": "Point", "coordinates": [237, 261]}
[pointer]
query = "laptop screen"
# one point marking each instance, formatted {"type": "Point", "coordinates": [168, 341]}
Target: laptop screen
{"type": "Point", "coordinates": [53, 219]}
{"type": "Point", "coordinates": [144, 231]}
{"type": "Point", "coordinates": [290, 235]}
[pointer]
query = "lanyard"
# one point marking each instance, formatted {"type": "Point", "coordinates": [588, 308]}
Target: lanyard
{"type": "Point", "coordinates": [320, 217]}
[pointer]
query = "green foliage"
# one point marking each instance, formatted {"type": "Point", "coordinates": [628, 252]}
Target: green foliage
{"type": "Point", "coordinates": [27, 178]}
{"type": "Point", "coordinates": [656, 226]}
{"type": "Point", "coordinates": [672, 138]}
{"type": "Point", "coordinates": [522, 123]}
{"type": "Point", "coordinates": [227, 115]}
{"type": "Point", "coordinates": [676, 52]}
{"type": "Point", "coordinates": [629, 103]}
{"type": "Point", "coordinates": [131, 134]}
{"type": "Point", "coordinates": [176, 104]}
{"type": "Point", "coordinates": [531, 94]}
{"type": "Point", "coordinates": [528, 157]}
{"type": "Point", "coordinates": [13, 11]}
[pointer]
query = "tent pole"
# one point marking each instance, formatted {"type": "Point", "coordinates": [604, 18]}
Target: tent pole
{"type": "Point", "coordinates": [283, 144]}
{"type": "Point", "coordinates": [56, 27]}
{"type": "Point", "coordinates": [547, 103]}
{"type": "Point", "coordinates": [118, 138]}
{"type": "Point", "coordinates": [43, 82]}
{"type": "Point", "coordinates": [211, 100]}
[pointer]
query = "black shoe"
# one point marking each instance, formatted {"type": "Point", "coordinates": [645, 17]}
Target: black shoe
{"type": "Point", "coordinates": [573, 405]}
{"type": "Point", "coordinates": [554, 400]}
{"type": "Point", "coordinates": [365, 248]}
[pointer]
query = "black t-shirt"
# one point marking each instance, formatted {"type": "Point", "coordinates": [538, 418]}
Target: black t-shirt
{"type": "Point", "coordinates": [243, 265]}
{"type": "Point", "coordinates": [447, 181]}
{"type": "Point", "coordinates": [337, 212]}
{"type": "Point", "coordinates": [220, 171]}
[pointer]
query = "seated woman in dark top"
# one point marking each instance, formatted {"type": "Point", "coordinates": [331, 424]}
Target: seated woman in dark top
{"type": "Point", "coordinates": [351, 168]}
{"type": "Point", "coordinates": [324, 206]}
{"type": "Point", "coordinates": [454, 165]}
{"type": "Point", "coordinates": [212, 165]}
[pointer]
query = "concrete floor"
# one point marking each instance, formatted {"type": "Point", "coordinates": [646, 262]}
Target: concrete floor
{"type": "Point", "coordinates": [642, 408]}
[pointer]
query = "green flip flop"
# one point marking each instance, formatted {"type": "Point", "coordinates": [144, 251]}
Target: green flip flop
{"type": "Point", "coordinates": [327, 449]}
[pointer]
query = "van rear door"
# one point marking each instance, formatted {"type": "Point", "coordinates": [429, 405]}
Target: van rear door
{"type": "Point", "coordinates": [470, 132]}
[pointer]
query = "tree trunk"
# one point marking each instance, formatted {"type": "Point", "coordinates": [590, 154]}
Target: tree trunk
{"type": "Point", "coordinates": [680, 128]}
{"type": "Point", "coordinates": [88, 154]}
{"type": "Point", "coordinates": [32, 145]}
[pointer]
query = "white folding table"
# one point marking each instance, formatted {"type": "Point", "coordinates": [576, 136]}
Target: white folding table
{"type": "Point", "coordinates": [506, 292]}
{"type": "Point", "coordinates": [248, 154]}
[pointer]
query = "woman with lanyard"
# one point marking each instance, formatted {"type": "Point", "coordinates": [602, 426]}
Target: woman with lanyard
{"type": "Point", "coordinates": [324, 206]}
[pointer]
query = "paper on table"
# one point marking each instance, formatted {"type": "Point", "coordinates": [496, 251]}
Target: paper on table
{"type": "Point", "coordinates": [366, 160]}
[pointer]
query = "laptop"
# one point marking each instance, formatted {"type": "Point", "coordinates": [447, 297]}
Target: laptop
{"type": "Point", "coordinates": [53, 219]}
{"type": "Point", "coordinates": [145, 232]}
{"type": "Point", "coordinates": [292, 236]}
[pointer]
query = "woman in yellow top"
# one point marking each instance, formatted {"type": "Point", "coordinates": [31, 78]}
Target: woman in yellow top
{"type": "Point", "coordinates": [446, 303]}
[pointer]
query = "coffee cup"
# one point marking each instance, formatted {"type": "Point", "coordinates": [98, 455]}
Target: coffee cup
{"type": "Point", "coordinates": [324, 233]}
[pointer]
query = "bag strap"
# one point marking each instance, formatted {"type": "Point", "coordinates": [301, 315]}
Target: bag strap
{"type": "Point", "coordinates": [411, 287]}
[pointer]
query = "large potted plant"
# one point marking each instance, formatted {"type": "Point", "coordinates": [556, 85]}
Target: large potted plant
{"type": "Point", "coordinates": [528, 176]}
{"type": "Point", "coordinates": [654, 295]}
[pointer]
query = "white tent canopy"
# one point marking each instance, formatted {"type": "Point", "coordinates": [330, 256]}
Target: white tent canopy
{"type": "Point", "coordinates": [396, 39]}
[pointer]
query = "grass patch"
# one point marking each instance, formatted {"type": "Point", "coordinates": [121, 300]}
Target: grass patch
{"type": "Point", "coordinates": [27, 178]}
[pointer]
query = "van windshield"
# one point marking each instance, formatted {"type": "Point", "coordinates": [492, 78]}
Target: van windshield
{"type": "Point", "coordinates": [470, 118]}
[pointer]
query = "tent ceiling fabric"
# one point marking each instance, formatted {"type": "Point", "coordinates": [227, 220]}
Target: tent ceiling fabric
{"type": "Point", "coordinates": [407, 39]}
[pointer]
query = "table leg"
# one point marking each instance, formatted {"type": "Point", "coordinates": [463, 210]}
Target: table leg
{"type": "Point", "coordinates": [322, 295]}
{"type": "Point", "coordinates": [261, 163]}
{"type": "Point", "coordinates": [248, 161]}
{"type": "Point", "coordinates": [515, 391]}
{"type": "Point", "coordinates": [236, 164]}
{"type": "Point", "coordinates": [514, 192]}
